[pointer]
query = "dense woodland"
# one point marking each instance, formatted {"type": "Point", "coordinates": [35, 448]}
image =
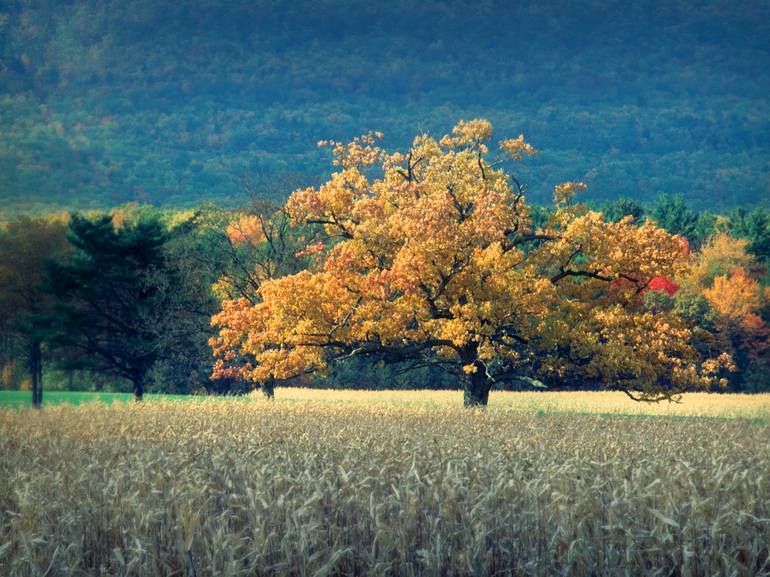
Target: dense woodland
{"type": "Point", "coordinates": [107, 102]}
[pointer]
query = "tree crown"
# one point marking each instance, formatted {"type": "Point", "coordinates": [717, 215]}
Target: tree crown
{"type": "Point", "coordinates": [431, 256]}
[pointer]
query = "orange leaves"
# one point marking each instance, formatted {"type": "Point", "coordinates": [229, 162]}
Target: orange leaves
{"type": "Point", "coordinates": [648, 353]}
{"type": "Point", "coordinates": [724, 272]}
{"type": "Point", "coordinates": [720, 256]}
{"type": "Point", "coordinates": [468, 133]}
{"type": "Point", "coordinates": [565, 192]}
{"type": "Point", "coordinates": [627, 254]}
{"type": "Point", "coordinates": [361, 151]}
{"type": "Point", "coordinates": [723, 278]}
{"type": "Point", "coordinates": [311, 250]}
{"type": "Point", "coordinates": [282, 334]}
{"type": "Point", "coordinates": [734, 298]}
{"type": "Point", "coordinates": [303, 205]}
{"type": "Point", "coordinates": [247, 228]}
{"type": "Point", "coordinates": [517, 147]}
{"type": "Point", "coordinates": [332, 204]}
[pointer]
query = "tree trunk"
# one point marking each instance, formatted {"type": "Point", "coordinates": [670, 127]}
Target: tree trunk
{"type": "Point", "coordinates": [139, 382]}
{"type": "Point", "coordinates": [36, 372]}
{"type": "Point", "coordinates": [476, 389]}
{"type": "Point", "coordinates": [40, 379]}
{"type": "Point", "coordinates": [268, 389]}
{"type": "Point", "coordinates": [476, 385]}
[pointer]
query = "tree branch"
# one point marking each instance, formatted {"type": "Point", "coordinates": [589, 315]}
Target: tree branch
{"type": "Point", "coordinates": [579, 273]}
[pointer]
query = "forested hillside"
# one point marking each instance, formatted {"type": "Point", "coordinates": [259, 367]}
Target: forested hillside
{"type": "Point", "coordinates": [106, 101]}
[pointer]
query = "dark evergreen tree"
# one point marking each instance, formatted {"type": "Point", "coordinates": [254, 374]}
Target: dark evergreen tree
{"type": "Point", "coordinates": [621, 207]}
{"type": "Point", "coordinates": [124, 304]}
{"type": "Point", "coordinates": [705, 228]}
{"type": "Point", "coordinates": [755, 227]}
{"type": "Point", "coordinates": [673, 214]}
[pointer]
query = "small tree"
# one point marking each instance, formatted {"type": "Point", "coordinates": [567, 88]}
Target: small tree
{"type": "Point", "coordinates": [26, 245]}
{"type": "Point", "coordinates": [254, 246]}
{"type": "Point", "coordinates": [720, 291]}
{"type": "Point", "coordinates": [123, 303]}
{"type": "Point", "coordinates": [433, 259]}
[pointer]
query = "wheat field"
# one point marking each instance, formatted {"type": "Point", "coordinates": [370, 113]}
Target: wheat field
{"type": "Point", "coordinates": [754, 406]}
{"type": "Point", "coordinates": [322, 483]}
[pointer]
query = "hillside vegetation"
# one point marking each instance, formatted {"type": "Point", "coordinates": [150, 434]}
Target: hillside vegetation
{"type": "Point", "coordinates": [103, 102]}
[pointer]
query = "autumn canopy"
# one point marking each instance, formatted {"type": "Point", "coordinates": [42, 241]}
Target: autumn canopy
{"type": "Point", "coordinates": [432, 256]}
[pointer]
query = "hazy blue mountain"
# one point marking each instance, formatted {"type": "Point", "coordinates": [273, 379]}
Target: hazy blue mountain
{"type": "Point", "coordinates": [105, 101]}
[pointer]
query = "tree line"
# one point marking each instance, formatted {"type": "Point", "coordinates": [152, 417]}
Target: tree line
{"type": "Point", "coordinates": [125, 298]}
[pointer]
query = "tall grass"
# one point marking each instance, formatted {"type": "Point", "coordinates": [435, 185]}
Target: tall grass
{"type": "Point", "coordinates": [311, 489]}
{"type": "Point", "coordinates": [756, 406]}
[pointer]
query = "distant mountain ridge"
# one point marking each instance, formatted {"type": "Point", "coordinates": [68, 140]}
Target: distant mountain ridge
{"type": "Point", "coordinates": [106, 101]}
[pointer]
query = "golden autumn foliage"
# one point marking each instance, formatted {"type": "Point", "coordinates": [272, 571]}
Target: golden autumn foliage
{"type": "Point", "coordinates": [246, 228]}
{"type": "Point", "coordinates": [723, 276]}
{"type": "Point", "coordinates": [734, 298]}
{"type": "Point", "coordinates": [720, 256]}
{"type": "Point", "coordinates": [435, 260]}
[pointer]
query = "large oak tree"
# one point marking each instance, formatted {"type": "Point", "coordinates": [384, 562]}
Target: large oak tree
{"type": "Point", "coordinates": [431, 257]}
